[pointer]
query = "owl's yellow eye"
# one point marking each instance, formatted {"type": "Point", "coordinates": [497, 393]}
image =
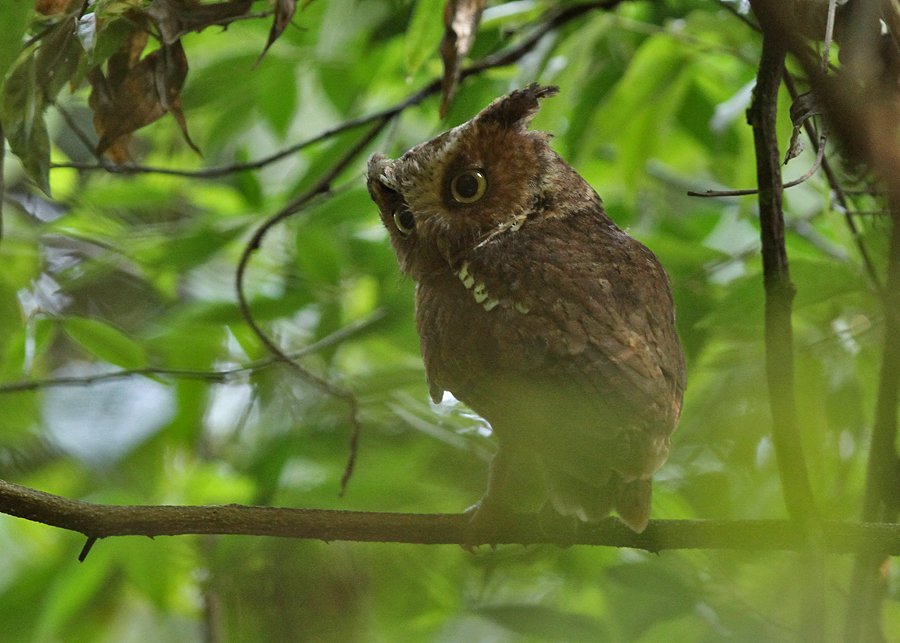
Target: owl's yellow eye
{"type": "Point", "coordinates": [404, 220]}
{"type": "Point", "coordinates": [468, 186]}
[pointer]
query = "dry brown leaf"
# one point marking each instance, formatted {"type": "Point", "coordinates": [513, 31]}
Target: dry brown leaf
{"type": "Point", "coordinates": [131, 96]}
{"type": "Point", "coordinates": [461, 20]}
{"type": "Point", "coordinates": [126, 57]}
{"type": "Point", "coordinates": [52, 7]}
{"type": "Point", "coordinates": [284, 13]}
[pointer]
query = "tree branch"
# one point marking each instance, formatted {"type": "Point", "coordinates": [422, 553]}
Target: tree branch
{"type": "Point", "coordinates": [103, 521]}
{"type": "Point", "coordinates": [837, 189]}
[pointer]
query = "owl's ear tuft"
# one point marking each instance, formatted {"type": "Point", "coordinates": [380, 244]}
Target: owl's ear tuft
{"type": "Point", "coordinates": [516, 109]}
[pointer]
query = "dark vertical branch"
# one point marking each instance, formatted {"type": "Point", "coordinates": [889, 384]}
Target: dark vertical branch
{"type": "Point", "coordinates": [762, 116]}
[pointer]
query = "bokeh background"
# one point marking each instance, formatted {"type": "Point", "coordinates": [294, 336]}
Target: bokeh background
{"type": "Point", "coordinates": [104, 271]}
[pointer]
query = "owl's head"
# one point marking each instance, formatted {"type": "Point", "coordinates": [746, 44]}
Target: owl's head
{"type": "Point", "coordinates": [444, 197]}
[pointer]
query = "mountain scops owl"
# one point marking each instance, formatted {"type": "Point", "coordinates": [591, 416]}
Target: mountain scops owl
{"type": "Point", "coordinates": [537, 312]}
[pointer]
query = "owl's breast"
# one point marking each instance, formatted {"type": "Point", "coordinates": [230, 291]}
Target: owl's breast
{"type": "Point", "coordinates": [469, 331]}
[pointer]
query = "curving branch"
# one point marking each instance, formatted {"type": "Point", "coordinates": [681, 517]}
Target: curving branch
{"type": "Point", "coordinates": [323, 186]}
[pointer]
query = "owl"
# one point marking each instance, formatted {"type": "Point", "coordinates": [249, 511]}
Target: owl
{"type": "Point", "coordinates": [535, 310]}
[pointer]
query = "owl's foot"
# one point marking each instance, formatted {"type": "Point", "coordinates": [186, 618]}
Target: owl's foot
{"type": "Point", "coordinates": [633, 504]}
{"type": "Point", "coordinates": [487, 523]}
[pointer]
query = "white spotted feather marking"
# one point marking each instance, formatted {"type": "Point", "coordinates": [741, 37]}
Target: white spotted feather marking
{"type": "Point", "coordinates": [480, 293]}
{"type": "Point", "coordinates": [464, 275]}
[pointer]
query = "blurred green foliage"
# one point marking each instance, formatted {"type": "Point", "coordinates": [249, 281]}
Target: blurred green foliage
{"type": "Point", "coordinates": [138, 270]}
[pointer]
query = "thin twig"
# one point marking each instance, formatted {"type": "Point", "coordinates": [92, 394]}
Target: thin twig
{"type": "Point", "coordinates": [320, 187]}
{"type": "Point", "coordinates": [219, 376]}
{"type": "Point", "coordinates": [829, 33]}
{"type": "Point", "coordinates": [723, 193]}
{"type": "Point", "coordinates": [214, 172]}
{"type": "Point", "coordinates": [840, 194]}
{"type": "Point", "coordinates": [817, 163]}
{"type": "Point", "coordinates": [730, 8]}
{"type": "Point", "coordinates": [102, 162]}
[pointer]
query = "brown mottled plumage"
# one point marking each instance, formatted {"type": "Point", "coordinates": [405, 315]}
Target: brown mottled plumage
{"type": "Point", "coordinates": [535, 310]}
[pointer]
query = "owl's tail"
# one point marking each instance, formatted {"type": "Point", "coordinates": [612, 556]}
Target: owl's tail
{"type": "Point", "coordinates": [633, 503]}
{"type": "Point", "coordinates": [630, 499]}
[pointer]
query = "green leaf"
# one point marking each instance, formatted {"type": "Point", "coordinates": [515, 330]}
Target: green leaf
{"type": "Point", "coordinates": [105, 342]}
{"type": "Point", "coordinates": [71, 592]}
{"type": "Point", "coordinates": [22, 115]}
{"type": "Point", "coordinates": [57, 58]}
{"type": "Point", "coordinates": [547, 623]}
{"type": "Point", "coordinates": [645, 102]}
{"type": "Point", "coordinates": [276, 93]}
{"type": "Point", "coordinates": [14, 18]}
{"type": "Point", "coordinates": [424, 33]}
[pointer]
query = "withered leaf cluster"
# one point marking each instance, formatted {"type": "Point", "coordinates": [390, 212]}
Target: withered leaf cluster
{"type": "Point", "coordinates": [128, 51]}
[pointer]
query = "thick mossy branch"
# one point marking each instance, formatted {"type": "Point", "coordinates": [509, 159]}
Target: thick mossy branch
{"type": "Point", "coordinates": [103, 521]}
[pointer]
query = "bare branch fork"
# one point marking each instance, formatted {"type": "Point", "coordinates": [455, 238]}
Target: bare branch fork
{"type": "Point", "coordinates": [97, 521]}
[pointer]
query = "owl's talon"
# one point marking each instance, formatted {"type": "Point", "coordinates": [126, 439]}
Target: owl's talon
{"type": "Point", "coordinates": [488, 521]}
